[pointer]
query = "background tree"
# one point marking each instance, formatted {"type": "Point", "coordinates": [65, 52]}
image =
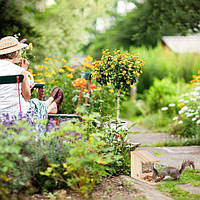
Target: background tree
{"type": "Point", "coordinates": [147, 23]}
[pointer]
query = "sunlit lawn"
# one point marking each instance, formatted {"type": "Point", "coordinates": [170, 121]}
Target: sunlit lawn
{"type": "Point", "coordinates": [172, 189]}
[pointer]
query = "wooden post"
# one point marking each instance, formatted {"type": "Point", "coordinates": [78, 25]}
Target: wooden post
{"type": "Point", "coordinates": [118, 104]}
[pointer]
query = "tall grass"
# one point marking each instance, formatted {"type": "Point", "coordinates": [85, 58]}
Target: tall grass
{"type": "Point", "coordinates": [162, 63]}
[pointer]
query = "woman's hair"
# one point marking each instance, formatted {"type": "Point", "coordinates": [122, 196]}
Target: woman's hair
{"type": "Point", "coordinates": [10, 55]}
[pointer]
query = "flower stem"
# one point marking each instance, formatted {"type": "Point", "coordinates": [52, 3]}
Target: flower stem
{"type": "Point", "coordinates": [118, 104]}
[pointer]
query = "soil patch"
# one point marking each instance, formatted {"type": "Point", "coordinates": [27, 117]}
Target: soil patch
{"type": "Point", "coordinates": [115, 188]}
{"type": "Point", "coordinates": [190, 188]}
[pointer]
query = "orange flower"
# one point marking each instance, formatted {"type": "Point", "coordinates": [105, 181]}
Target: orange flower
{"type": "Point", "coordinates": [80, 82]}
{"type": "Point", "coordinates": [180, 105]}
{"type": "Point", "coordinates": [92, 86]}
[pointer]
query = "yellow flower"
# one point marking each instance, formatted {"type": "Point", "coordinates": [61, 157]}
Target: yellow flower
{"type": "Point", "coordinates": [85, 90]}
{"type": "Point", "coordinates": [31, 71]}
{"type": "Point", "coordinates": [61, 70]}
{"type": "Point", "coordinates": [47, 59]}
{"type": "Point", "coordinates": [39, 74]}
{"type": "Point", "coordinates": [76, 59]}
{"type": "Point", "coordinates": [85, 60]}
{"type": "Point", "coordinates": [64, 165]}
{"type": "Point", "coordinates": [199, 71]}
{"type": "Point", "coordinates": [180, 105]}
{"type": "Point", "coordinates": [48, 75]}
{"type": "Point", "coordinates": [90, 58]}
{"type": "Point", "coordinates": [101, 162]}
{"type": "Point", "coordinates": [99, 88]}
{"type": "Point", "coordinates": [30, 46]}
{"type": "Point", "coordinates": [70, 75]}
{"type": "Point", "coordinates": [54, 68]}
{"type": "Point", "coordinates": [112, 66]}
{"type": "Point", "coordinates": [40, 67]}
{"type": "Point", "coordinates": [132, 86]}
{"type": "Point", "coordinates": [55, 60]}
{"type": "Point", "coordinates": [39, 80]}
{"type": "Point", "coordinates": [194, 84]}
{"type": "Point", "coordinates": [124, 72]}
{"type": "Point", "coordinates": [91, 139]}
{"type": "Point", "coordinates": [69, 69]}
{"type": "Point", "coordinates": [53, 72]}
{"type": "Point", "coordinates": [188, 85]}
{"type": "Point", "coordinates": [45, 62]}
{"type": "Point", "coordinates": [128, 82]}
{"type": "Point", "coordinates": [111, 91]}
{"type": "Point", "coordinates": [63, 60]}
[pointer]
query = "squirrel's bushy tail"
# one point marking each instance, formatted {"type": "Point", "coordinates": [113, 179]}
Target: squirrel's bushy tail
{"type": "Point", "coordinates": [185, 164]}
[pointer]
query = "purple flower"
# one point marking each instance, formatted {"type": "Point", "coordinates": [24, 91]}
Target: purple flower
{"type": "Point", "coordinates": [6, 116]}
{"type": "Point", "coordinates": [20, 116]}
{"type": "Point", "coordinates": [74, 133]}
{"type": "Point", "coordinates": [98, 125]}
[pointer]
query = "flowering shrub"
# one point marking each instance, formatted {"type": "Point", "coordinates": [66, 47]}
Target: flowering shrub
{"type": "Point", "coordinates": [76, 154]}
{"type": "Point", "coordinates": [14, 136]}
{"type": "Point", "coordinates": [187, 123]}
{"type": "Point", "coordinates": [120, 70]}
{"type": "Point", "coordinates": [52, 73]}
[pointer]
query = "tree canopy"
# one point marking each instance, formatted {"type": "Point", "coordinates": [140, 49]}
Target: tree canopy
{"type": "Point", "coordinates": [148, 22]}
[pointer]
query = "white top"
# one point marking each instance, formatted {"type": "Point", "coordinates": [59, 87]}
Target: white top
{"type": "Point", "coordinates": [9, 99]}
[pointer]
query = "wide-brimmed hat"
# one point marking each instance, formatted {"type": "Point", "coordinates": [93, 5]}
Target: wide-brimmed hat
{"type": "Point", "coordinates": [10, 44]}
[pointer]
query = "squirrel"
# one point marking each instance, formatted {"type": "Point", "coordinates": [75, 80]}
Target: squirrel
{"type": "Point", "coordinates": [171, 171]}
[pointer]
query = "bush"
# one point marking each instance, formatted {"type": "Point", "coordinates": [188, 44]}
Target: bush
{"type": "Point", "coordinates": [76, 154]}
{"type": "Point", "coordinates": [161, 63]}
{"type": "Point", "coordinates": [14, 136]}
{"type": "Point", "coordinates": [188, 119]}
{"type": "Point", "coordinates": [162, 93]}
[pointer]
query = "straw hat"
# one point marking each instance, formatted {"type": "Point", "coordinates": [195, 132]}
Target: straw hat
{"type": "Point", "coordinates": [10, 44]}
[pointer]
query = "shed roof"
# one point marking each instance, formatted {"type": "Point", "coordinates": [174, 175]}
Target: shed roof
{"type": "Point", "coordinates": [183, 44]}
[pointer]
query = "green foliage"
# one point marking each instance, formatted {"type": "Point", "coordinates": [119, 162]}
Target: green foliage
{"type": "Point", "coordinates": [171, 187]}
{"type": "Point", "coordinates": [147, 23]}
{"type": "Point", "coordinates": [13, 138]}
{"type": "Point", "coordinates": [133, 108]}
{"type": "Point", "coordinates": [161, 94]}
{"type": "Point", "coordinates": [160, 64]}
{"type": "Point", "coordinates": [103, 100]}
{"type": "Point", "coordinates": [93, 153]}
{"type": "Point", "coordinates": [188, 120]}
{"type": "Point", "coordinates": [76, 154]}
{"type": "Point", "coordinates": [65, 25]}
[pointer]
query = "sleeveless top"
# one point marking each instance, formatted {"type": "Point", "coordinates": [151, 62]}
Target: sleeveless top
{"type": "Point", "coordinates": [9, 99]}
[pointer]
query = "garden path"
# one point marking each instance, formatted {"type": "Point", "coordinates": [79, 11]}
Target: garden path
{"type": "Point", "coordinates": [168, 156]}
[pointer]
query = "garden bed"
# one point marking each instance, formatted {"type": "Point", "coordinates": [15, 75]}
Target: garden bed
{"type": "Point", "coordinates": [110, 188]}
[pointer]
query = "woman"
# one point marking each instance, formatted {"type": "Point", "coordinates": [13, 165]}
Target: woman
{"type": "Point", "coordinates": [10, 51]}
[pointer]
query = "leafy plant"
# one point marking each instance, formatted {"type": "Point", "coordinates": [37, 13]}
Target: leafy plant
{"type": "Point", "coordinates": [120, 70]}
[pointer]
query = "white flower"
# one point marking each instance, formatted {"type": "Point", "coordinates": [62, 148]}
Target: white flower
{"type": "Point", "coordinates": [164, 108]}
{"type": "Point", "coordinates": [193, 119]}
{"type": "Point", "coordinates": [180, 122]}
{"type": "Point", "coordinates": [198, 121]}
{"type": "Point", "coordinates": [171, 105]}
{"type": "Point", "coordinates": [175, 118]}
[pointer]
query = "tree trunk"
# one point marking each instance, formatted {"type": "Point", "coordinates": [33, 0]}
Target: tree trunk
{"type": "Point", "coordinates": [118, 104]}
